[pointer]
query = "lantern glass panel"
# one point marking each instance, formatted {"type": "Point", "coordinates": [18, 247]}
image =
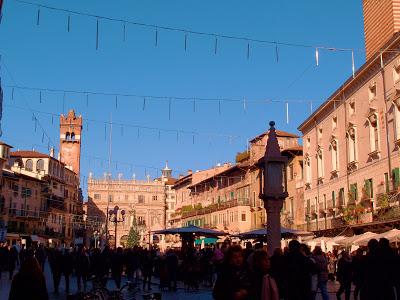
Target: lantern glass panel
{"type": "Point", "coordinates": [275, 175]}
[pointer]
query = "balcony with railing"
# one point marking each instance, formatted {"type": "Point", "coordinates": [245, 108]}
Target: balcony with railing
{"type": "Point", "coordinates": [216, 207]}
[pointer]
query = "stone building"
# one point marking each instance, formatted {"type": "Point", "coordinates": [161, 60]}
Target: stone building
{"type": "Point", "coordinates": [40, 194]}
{"type": "Point", "coordinates": [351, 142]}
{"type": "Point", "coordinates": [145, 200]}
{"type": "Point", "coordinates": [226, 197]}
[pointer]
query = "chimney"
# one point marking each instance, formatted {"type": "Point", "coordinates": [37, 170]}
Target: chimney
{"type": "Point", "coordinates": [189, 172]}
{"type": "Point", "coordinates": [381, 22]}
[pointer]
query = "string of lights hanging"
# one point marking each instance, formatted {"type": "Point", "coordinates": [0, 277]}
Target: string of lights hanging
{"type": "Point", "coordinates": [248, 41]}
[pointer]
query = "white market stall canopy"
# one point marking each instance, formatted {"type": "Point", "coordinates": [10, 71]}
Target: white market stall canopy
{"type": "Point", "coordinates": [392, 235]}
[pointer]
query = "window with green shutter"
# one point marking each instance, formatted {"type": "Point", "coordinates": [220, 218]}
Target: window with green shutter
{"type": "Point", "coordinates": [396, 178]}
{"type": "Point", "coordinates": [353, 192]}
{"type": "Point", "coordinates": [368, 188]}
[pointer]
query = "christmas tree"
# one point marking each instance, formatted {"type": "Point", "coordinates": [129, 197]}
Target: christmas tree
{"type": "Point", "coordinates": [134, 236]}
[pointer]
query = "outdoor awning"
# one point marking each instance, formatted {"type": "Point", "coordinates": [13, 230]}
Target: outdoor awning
{"type": "Point", "coordinates": [356, 238]}
{"type": "Point", "coordinates": [191, 229]}
{"type": "Point", "coordinates": [258, 233]}
{"type": "Point", "coordinates": [207, 241]}
{"type": "Point", "coordinates": [392, 235]}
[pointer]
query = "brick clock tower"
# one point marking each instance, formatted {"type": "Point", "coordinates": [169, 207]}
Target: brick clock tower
{"type": "Point", "coordinates": [70, 140]}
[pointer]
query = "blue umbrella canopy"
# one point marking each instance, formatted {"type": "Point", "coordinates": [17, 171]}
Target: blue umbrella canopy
{"type": "Point", "coordinates": [191, 229]}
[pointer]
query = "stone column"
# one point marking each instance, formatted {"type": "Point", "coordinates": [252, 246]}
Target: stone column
{"type": "Point", "coordinates": [273, 208]}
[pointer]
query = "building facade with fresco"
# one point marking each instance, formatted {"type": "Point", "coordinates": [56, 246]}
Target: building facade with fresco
{"type": "Point", "coordinates": [145, 200]}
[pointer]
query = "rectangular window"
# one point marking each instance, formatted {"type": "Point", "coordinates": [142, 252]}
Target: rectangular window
{"type": "Point", "coordinates": [141, 199]}
{"type": "Point", "coordinates": [353, 193]}
{"type": "Point", "coordinates": [387, 187]}
{"type": "Point", "coordinates": [55, 186]}
{"type": "Point", "coordinates": [232, 194]}
{"type": "Point", "coordinates": [333, 199]}
{"type": "Point", "coordinates": [110, 198]}
{"type": "Point", "coordinates": [396, 178]}
{"type": "Point", "coordinates": [291, 172]}
{"type": "Point", "coordinates": [97, 196]}
{"type": "Point", "coordinates": [341, 197]}
{"type": "Point", "coordinates": [26, 192]}
{"type": "Point", "coordinates": [368, 188]}
{"type": "Point", "coordinates": [243, 216]}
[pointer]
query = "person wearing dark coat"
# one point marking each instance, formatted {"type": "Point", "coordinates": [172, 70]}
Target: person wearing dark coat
{"type": "Point", "coordinates": [172, 268]}
{"type": "Point", "coordinates": [82, 267]}
{"type": "Point", "coordinates": [371, 288]}
{"type": "Point", "coordinates": [147, 268]}
{"type": "Point", "coordinates": [12, 260]}
{"type": "Point", "coordinates": [117, 266]}
{"type": "Point", "coordinates": [29, 282]}
{"type": "Point", "coordinates": [388, 271]}
{"type": "Point", "coordinates": [67, 265]}
{"type": "Point", "coordinates": [232, 281]}
{"type": "Point", "coordinates": [3, 257]}
{"type": "Point", "coordinates": [357, 265]}
{"type": "Point", "coordinates": [278, 270]}
{"type": "Point", "coordinates": [40, 255]}
{"type": "Point", "coordinates": [344, 276]}
{"type": "Point", "coordinates": [298, 270]}
{"type": "Point", "coordinates": [55, 261]}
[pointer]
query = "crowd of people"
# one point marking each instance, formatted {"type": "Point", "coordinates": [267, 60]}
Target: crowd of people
{"type": "Point", "coordinates": [234, 273]}
{"type": "Point", "coordinates": [299, 274]}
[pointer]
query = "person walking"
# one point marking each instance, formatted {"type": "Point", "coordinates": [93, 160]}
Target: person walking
{"type": "Point", "coordinates": [117, 266]}
{"type": "Point", "coordinates": [40, 255]}
{"type": "Point", "coordinates": [172, 269]}
{"type": "Point", "coordinates": [29, 282]}
{"type": "Point", "coordinates": [298, 270]}
{"type": "Point", "coordinates": [55, 267]}
{"type": "Point", "coordinates": [344, 276]}
{"type": "Point", "coordinates": [82, 267]}
{"type": "Point", "coordinates": [12, 260]}
{"type": "Point", "coordinates": [357, 271]}
{"type": "Point", "coordinates": [3, 257]}
{"type": "Point", "coordinates": [321, 264]}
{"type": "Point", "coordinates": [147, 269]}
{"type": "Point", "coordinates": [66, 266]}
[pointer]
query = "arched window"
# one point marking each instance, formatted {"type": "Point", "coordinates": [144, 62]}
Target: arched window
{"type": "Point", "coordinates": [67, 136]}
{"type": "Point", "coordinates": [72, 136]}
{"type": "Point", "coordinates": [40, 165]}
{"type": "Point", "coordinates": [19, 163]}
{"type": "Point", "coordinates": [334, 155]}
{"type": "Point", "coordinates": [29, 165]}
{"type": "Point", "coordinates": [352, 142]}
{"type": "Point", "coordinates": [373, 132]}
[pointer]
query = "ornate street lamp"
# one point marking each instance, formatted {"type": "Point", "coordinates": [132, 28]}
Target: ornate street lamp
{"type": "Point", "coordinates": [114, 218]}
{"type": "Point", "coordinates": [273, 188]}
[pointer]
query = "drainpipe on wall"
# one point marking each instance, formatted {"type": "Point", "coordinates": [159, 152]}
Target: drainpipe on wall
{"type": "Point", "coordinates": [386, 119]}
{"type": "Point", "coordinates": [347, 147]}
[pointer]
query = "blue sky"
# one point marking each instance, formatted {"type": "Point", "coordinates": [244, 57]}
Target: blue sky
{"type": "Point", "coordinates": [47, 56]}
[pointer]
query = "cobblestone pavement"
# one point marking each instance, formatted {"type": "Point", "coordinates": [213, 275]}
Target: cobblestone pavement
{"type": "Point", "coordinates": [203, 294]}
